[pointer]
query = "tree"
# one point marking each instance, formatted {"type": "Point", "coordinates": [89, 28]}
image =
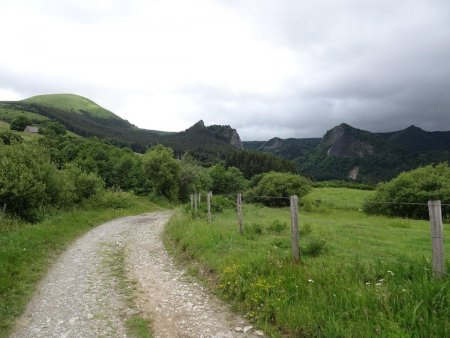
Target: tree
{"type": "Point", "coordinates": [226, 181]}
{"type": "Point", "coordinates": [274, 188]}
{"type": "Point", "coordinates": [20, 122]}
{"type": "Point", "coordinates": [53, 128]}
{"type": "Point", "coordinates": [162, 170]}
{"type": "Point", "coordinates": [394, 198]}
{"type": "Point", "coordinates": [193, 178]}
{"type": "Point", "coordinates": [29, 181]}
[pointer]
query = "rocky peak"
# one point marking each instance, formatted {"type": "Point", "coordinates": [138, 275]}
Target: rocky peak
{"type": "Point", "coordinates": [224, 133]}
{"type": "Point", "coordinates": [345, 140]}
{"type": "Point", "coordinates": [228, 134]}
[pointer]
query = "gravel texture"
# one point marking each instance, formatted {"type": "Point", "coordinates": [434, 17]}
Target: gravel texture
{"type": "Point", "coordinates": [81, 297]}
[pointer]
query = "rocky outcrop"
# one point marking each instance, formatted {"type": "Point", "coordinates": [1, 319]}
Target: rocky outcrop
{"type": "Point", "coordinates": [344, 140]}
{"type": "Point", "coordinates": [228, 134]}
{"type": "Point", "coordinates": [218, 132]}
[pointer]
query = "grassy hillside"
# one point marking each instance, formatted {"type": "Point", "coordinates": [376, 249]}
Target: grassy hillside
{"type": "Point", "coordinates": [9, 112]}
{"type": "Point", "coordinates": [359, 276]}
{"type": "Point", "coordinates": [74, 103]}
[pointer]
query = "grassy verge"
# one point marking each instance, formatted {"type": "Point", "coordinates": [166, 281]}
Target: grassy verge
{"type": "Point", "coordinates": [360, 276]}
{"type": "Point", "coordinates": [27, 250]}
{"type": "Point", "coordinates": [136, 325]}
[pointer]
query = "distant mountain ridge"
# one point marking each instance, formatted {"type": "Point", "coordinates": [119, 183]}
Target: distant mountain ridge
{"type": "Point", "coordinates": [346, 152]}
{"type": "Point", "coordinates": [86, 118]}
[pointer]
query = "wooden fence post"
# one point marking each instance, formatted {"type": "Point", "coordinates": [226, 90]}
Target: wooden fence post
{"type": "Point", "coordinates": [208, 200]}
{"type": "Point", "coordinates": [195, 204]}
{"type": "Point", "coordinates": [294, 229]}
{"type": "Point", "coordinates": [239, 210]}
{"type": "Point", "coordinates": [192, 201]}
{"type": "Point", "coordinates": [437, 240]}
{"type": "Point", "coordinates": [4, 211]}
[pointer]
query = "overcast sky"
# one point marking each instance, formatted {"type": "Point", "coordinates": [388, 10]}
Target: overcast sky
{"type": "Point", "coordinates": [287, 68]}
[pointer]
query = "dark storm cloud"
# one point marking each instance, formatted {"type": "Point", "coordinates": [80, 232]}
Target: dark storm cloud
{"type": "Point", "coordinates": [377, 65]}
{"type": "Point", "coordinates": [287, 68]}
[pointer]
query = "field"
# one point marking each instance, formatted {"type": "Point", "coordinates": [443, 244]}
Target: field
{"type": "Point", "coordinates": [359, 275]}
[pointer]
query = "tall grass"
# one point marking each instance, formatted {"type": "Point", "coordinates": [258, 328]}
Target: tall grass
{"type": "Point", "coordinates": [359, 276]}
{"type": "Point", "coordinates": [27, 250]}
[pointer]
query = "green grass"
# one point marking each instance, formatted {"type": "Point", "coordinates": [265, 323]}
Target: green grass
{"type": "Point", "coordinates": [359, 276]}
{"type": "Point", "coordinates": [114, 257]}
{"type": "Point", "coordinates": [7, 114]}
{"type": "Point", "coordinates": [4, 126]}
{"type": "Point", "coordinates": [73, 103]}
{"type": "Point", "coordinates": [338, 198]}
{"type": "Point", "coordinates": [27, 250]}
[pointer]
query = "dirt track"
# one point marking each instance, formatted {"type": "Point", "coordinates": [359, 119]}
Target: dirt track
{"type": "Point", "coordinates": [81, 297]}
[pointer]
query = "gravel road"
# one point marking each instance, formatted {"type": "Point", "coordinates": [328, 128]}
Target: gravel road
{"type": "Point", "coordinates": [82, 297]}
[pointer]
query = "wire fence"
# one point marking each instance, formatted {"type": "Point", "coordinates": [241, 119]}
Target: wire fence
{"type": "Point", "coordinates": [253, 216]}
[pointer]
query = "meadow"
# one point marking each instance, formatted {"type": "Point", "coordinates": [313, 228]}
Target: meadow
{"type": "Point", "coordinates": [359, 275]}
{"type": "Point", "coordinates": [28, 250]}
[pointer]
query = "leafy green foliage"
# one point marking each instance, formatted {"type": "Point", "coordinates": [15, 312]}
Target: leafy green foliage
{"type": "Point", "coordinates": [274, 188]}
{"type": "Point", "coordinates": [193, 178]}
{"type": "Point", "coordinates": [30, 183]}
{"type": "Point", "coordinates": [162, 170]}
{"type": "Point", "coordinates": [226, 181]}
{"type": "Point", "coordinates": [252, 163]}
{"type": "Point", "coordinates": [416, 186]}
{"type": "Point", "coordinates": [53, 128]}
{"type": "Point", "coordinates": [7, 137]}
{"type": "Point", "coordinates": [20, 122]}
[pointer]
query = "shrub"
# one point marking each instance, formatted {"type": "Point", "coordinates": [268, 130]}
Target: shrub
{"type": "Point", "coordinates": [162, 171]}
{"type": "Point", "coordinates": [274, 188]}
{"type": "Point", "coordinates": [193, 179]}
{"type": "Point", "coordinates": [113, 199]}
{"type": "Point", "coordinates": [29, 181]}
{"type": "Point", "coordinates": [84, 185]}
{"type": "Point", "coordinates": [8, 138]}
{"type": "Point", "coordinates": [20, 122]}
{"type": "Point", "coordinates": [226, 181]}
{"type": "Point", "coordinates": [220, 203]}
{"type": "Point", "coordinates": [416, 186]}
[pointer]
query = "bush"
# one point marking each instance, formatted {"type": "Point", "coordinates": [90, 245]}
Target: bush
{"type": "Point", "coordinates": [416, 186]}
{"type": "Point", "coordinates": [220, 203]}
{"type": "Point", "coordinates": [162, 171]}
{"type": "Point", "coordinates": [112, 199]}
{"type": "Point", "coordinates": [226, 181]}
{"type": "Point", "coordinates": [29, 181]}
{"type": "Point", "coordinates": [19, 123]}
{"type": "Point", "coordinates": [84, 185]}
{"type": "Point", "coordinates": [274, 188]}
{"type": "Point", "coordinates": [8, 138]}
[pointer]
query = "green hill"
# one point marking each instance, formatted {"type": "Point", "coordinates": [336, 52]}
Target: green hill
{"type": "Point", "coordinates": [74, 103]}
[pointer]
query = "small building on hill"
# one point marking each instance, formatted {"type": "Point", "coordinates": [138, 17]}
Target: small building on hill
{"type": "Point", "coordinates": [31, 129]}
